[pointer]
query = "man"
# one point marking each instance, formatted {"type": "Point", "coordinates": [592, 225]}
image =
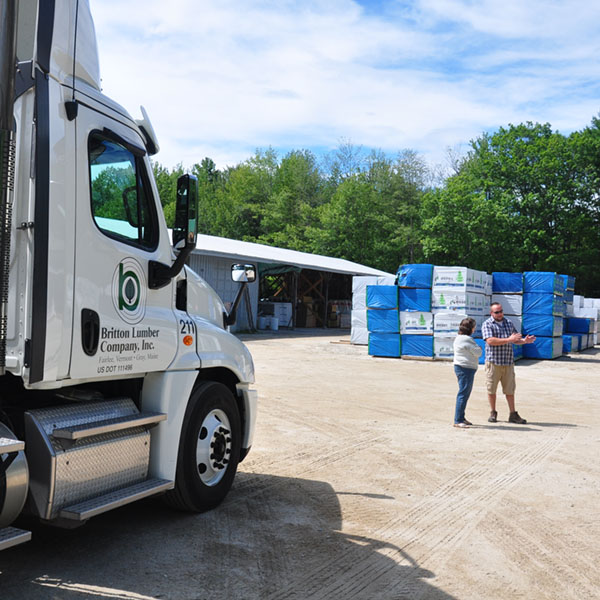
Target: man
{"type": "Point", "coordinates": [500, 334]}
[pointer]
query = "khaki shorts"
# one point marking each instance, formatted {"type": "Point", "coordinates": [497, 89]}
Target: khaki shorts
{"type": "Point", "coordinates": [504, 374]}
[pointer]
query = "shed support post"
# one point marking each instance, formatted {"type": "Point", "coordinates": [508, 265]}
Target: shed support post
{"type": "Point", "coordinates": [327, 277]}
{"type": "Point", "coordinates": [294, 297]}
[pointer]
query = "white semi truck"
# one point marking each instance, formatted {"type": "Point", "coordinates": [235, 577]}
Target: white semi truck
{"type": "Point", "coordinates": [118, 377]}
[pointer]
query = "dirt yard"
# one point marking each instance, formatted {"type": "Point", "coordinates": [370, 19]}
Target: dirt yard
{"type": "Point", "coordinates": [359, 487]}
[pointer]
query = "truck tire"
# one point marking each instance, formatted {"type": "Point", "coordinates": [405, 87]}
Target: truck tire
{"type": "Point", "coordinates": [209, 449]}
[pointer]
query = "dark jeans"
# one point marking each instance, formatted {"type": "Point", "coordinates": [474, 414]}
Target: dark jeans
{"type": "Point", "coordinates": [465, 385]}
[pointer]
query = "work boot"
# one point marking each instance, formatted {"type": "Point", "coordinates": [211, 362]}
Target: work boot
{"type": "Point", "coordinates": [493, 416]}
{"type": "Point", "coordinates": [515, 418]}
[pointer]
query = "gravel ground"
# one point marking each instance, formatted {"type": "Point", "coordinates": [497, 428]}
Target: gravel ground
{"type": "Point", "coordinates": [359, 487]}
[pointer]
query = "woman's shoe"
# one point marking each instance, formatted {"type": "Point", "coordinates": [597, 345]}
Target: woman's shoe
{"type": "Point", "coordinates": [467, 422]}
{"type": "Point", "coordinates": [462, 425]}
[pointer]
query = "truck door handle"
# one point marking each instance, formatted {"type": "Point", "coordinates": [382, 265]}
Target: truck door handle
{"type": "Point", "coordinates": [90, 331]}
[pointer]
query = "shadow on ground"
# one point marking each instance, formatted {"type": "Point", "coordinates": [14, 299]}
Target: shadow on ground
{"type": "Point", "coordinates": [273, 537]}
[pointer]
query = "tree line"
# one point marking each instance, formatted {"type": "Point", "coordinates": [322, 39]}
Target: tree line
{"type": "Point", "coordinates": [523, 198]}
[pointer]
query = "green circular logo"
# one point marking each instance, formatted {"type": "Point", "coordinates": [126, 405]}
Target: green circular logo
{"type": "Point", "coordinates": [129, 291]}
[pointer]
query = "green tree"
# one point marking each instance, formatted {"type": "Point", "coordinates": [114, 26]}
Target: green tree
{"type": "Point", "coordinates": [244, 195]}
{"type": "Point", "coordinates": [166, 183]}
{"type": "Point", "coordinates": [462, 226]}
{"type": "Point", "coordinates": [212, 218]}
{"type": "Point", "coordinates": [525, 198]}
{"type": "Point", "coordinates": [290, 211]}
{"type": "Point", "coordinates": [107, 188]}
{"type": "Point", "coordinates": [355, 225]}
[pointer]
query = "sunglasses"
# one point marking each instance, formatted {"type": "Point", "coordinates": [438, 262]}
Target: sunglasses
{"type": "Point", "coordinates": [497, 311]}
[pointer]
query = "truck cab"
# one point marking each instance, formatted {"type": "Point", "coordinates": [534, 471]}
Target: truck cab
{"type": "Point", "coordinates": [119, 378]}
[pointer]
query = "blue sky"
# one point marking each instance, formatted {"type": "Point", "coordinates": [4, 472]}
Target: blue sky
{"type": "Point", "coordinates": [221, 79]}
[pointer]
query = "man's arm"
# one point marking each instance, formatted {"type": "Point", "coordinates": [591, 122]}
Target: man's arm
{"type": "Point", "coordinates": [515, 338]}
{"type": "Point", "coordinates": [528, 339]}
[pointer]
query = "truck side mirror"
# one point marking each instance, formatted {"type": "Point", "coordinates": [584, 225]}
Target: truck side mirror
{"type": "Point", "coordinates": [243, 273]}
{"type": "Point", "coordinates": [186, 211]}
{"type": "Point", "coordinates": [184, 233]}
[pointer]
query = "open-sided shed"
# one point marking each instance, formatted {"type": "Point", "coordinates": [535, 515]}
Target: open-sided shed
{"type": "Point", "coordinates": [313, 287]}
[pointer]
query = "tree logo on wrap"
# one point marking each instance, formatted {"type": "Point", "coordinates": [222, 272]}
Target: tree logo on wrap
{"type": "Point", "coordinates": [129, 291]}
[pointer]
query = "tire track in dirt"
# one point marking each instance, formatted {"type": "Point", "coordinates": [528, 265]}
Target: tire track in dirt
{"type": "Point", "coordinates": [428, 532]}
{"type": "Point", "coordinates": [450, 514]}
{"type": "Point", "coordinates": [314, 422]}
{"type": "Point", "coordinates": [303, 463]}
{"type": "Point", "coordinates": [547, 558]}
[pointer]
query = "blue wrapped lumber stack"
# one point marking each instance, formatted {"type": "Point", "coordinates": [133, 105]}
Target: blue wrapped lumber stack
{"type": "Point", "coordinates": [384, 344]}
{"type": "Point", "coordinates": [579, 325]}
{"type": "Point", "coordinates": [542, 325]}
{"type": "Point", "coordinates": [569, 344]}
{"type": "Point", "coordinates": [414, 276]}
{"type": "Point", "coordinates": [507, 283]}
{"type": "Point", "coordinates": [382, 296]}
{"type": "Point", "coordinates": [544, 348]}
{"type": "Point", "coordinates": [414, 299]}
{"type": "Point", "coordinates": [542, 304]}
{"type": "Point", "coordinates": [542, 282]}
{"type": "Point", "coordinates": [414, 303]}
{"type": "Point", "coordinates": [417, 346]}
{"type": "Point", "coordinates": [543, 312]}
{"type": "Point", "coordinates": [383, 321]}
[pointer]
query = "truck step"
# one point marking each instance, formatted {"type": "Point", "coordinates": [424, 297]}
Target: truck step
{"type": "Point", "coordinates": [95, 506]}
{"type": "Point", "coordinates": [9, 445]}
{"type": "Point", "coordinates": [86, 430]}
{"type": "Point", "coordinates": [11, 536]}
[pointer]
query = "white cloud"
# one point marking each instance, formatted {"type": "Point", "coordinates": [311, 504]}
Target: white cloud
{"type": "Point", "coordinates": [222, 79]}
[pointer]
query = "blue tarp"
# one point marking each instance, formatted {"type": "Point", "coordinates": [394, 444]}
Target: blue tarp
{"type": "Point", "coordinates": [579, 325]}
{"type": "Point", "coordinates": [542, 325]}
{"type": "Point", "coordinates": [518, 351]}
{"type": "Point", "coordinates": [577, 343]}
{"type": "Point", "coordinates": [415, 276]}
{"type": "Point", "coordinates": [507, 283]}
{"type": "Point", "coordinates": [544, 348]}
{"type": "Point", "coordinates": [543, 304]}
{"type": "Point", "coordinates": [382, 296]}
{"type": "Point", "coordinates": [415, 299]}
{"type": "Point", "coordinates": [542, 282]}
{"type": "Point", "coordinates": [384, 344]}
{"type": "Point", "coordinates": [568, 282]}
{"type": "Point", "coordinates": [417, 345]}
{"type": "Point", "coordinates": [481, 344]}
{"type": "Point", "coordinates": [567, 343]}
{"type": "Point", "coordinates": [383, 321]}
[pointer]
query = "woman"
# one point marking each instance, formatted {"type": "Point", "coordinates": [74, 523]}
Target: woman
{"type": "Point", "coordinates": [466, 361]}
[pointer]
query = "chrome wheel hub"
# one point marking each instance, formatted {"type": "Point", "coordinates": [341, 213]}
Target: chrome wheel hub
{"type": "Point", "coordinates": [213, 449]}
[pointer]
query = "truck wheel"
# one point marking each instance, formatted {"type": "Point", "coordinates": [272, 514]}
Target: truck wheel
{"type": "Point", "coordinates": [209, 449]}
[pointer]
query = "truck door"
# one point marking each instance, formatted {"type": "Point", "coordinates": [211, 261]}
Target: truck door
{"type": "Point", "coordinates": [121, 327]}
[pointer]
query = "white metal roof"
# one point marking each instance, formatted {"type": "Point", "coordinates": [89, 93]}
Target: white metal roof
{"type": "Point", "coordinates": [210, 245]}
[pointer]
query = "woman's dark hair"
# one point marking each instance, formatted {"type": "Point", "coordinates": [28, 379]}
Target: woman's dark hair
{"type": "Point", "coordinates": [467, 326]}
